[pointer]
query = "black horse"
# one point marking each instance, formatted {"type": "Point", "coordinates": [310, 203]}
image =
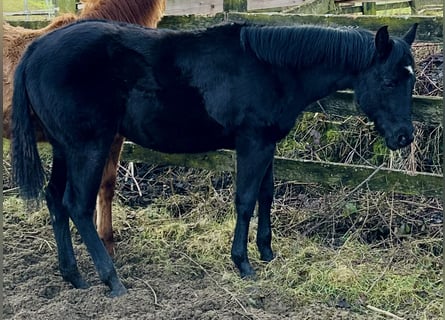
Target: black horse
{"type": "Point", "coordinates": [233, 86]}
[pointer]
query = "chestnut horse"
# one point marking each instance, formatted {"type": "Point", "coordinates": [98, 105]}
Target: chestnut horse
{"type": "Point", "coordinates": [16, 39]}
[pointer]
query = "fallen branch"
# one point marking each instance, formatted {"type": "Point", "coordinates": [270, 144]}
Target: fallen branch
{"type": "Point", "coordinates": [386, 313]}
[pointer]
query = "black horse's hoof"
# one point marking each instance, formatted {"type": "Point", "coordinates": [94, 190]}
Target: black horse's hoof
{"type": "Point", "coordinates": [117, 292]}
{"type": "Point", "coordinates": [249, 277]}
{"type": "Point", "coordinates": [75, 279]}
{"type": "Point", "coordinates": [247, 272]}
{"type": "Point", "coordinates": [267, 256]}
{"type": "Point", "coordinates": [117, 288]}
{"type": "Point", "coordinates": [81, 284]}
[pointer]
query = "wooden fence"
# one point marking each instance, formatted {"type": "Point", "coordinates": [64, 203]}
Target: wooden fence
{"type": "Point", "coordinates": [425, 110]}
{"type": "Point", "coordinates": [370, 7]}
{"type": "Point", "coordinates": [212, 7]}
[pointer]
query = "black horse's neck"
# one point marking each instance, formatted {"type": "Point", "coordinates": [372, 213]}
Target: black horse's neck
{"type": "Point", "coordinates": [308, 46]}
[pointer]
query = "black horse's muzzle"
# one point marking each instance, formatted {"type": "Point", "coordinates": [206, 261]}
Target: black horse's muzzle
{"type": "Point", "coordinates": [400, 138]}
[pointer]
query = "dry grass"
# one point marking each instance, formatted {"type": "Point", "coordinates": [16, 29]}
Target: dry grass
{"type": "Point", "coordinates": [429, 71]}
{"type": "Point", "coordinates": [365, 248]}
{"type": "Point", "coordinates": [374, 249]}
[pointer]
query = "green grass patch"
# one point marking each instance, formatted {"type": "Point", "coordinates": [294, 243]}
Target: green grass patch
{"type": "Point", "coordinates": [19, 5]}
{"type": "Point", "coordinates": [32, 5]}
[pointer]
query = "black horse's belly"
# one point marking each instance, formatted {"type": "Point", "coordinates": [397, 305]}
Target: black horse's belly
{"type": "Point", "coordinates": [189, 135]}
{"type": "Point", "coordinates": [182, 128]}
{"type": "Point", "coordinates": [181, 137]}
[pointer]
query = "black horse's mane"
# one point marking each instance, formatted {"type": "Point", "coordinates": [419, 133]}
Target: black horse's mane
{"type": "Point", "coordinates": [306, 46]}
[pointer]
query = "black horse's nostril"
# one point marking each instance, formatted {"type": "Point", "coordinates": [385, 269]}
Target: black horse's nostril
{"type": "Point", "coordinates": [404, 140]}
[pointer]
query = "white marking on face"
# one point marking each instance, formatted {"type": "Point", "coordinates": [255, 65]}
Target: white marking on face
{"type": "Point", "coordinates": [410, 69]}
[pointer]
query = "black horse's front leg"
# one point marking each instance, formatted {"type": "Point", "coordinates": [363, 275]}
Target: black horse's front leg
{"type": "Point", "coordinates": [264, 232]}
{"type": "Point", "coordinates": [244, 208]}
{"type": "Point", "coordinates": [253, 160]}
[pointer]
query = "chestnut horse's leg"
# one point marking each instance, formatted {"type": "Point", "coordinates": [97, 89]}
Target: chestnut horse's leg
{"type": "Point", "coordinates": [105, 195]}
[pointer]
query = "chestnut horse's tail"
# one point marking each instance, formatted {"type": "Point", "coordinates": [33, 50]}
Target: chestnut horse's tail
{"type": "Point", "coordinates": [27, 167]}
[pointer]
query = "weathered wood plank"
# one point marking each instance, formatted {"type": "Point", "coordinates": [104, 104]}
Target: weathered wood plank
{"type": "Point", "coordinates": [352, 176]}
{"type": "Point", "coordinates": [268, 4]}
{"type": "Point", "coordinates": [428, 110]}
{"type": "Point", "coordinates": [41, 12]}
{"type": "Point", "coordinates": [185, 7]}
{"type": "Point", "coordinates": [191, 21]}
{"type": "Point", "coordinates": [359, 7]}
{"type": "Point", "coordinates": [199, 7]}
{"type": "Point", "coordinates": [303, 171]}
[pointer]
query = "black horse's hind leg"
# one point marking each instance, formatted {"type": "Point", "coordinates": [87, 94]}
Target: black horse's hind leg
{"type": "Point", "coordinates": [253, 160]}
{"type": "Point", "coordinates": [84, 175]}
{"type": "Point", "coordinates": [60, 222]}
{"type": "Point", "coordinates": [264, 232]}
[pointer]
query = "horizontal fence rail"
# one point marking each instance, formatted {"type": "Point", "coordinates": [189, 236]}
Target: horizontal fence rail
{"type": "Point", "coordinates": [425, 109]}
{"type": "Point", "coordinates": [372, 6]}
{"type": "Point", "coordinates": [307, 172]}
{"type": "Point", "coordinates": [41, 12]}
{"type": "Point", "coordinates": [303, 171]}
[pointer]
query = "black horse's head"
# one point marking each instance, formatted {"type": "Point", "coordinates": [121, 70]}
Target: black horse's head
{"type": "Point", "coordinates": [384, 90]}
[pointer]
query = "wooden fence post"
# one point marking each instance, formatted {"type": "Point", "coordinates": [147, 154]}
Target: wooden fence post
{"type": "Point", "coordinates": [413, 6]}
{"type": "Point", "coordinates": [235, 5]}
{"type": "Point", "coordinates": [369, 8]}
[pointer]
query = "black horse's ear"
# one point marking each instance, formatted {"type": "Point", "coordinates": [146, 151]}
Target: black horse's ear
{"type": "Point", "coordinates": [411, 34]}
{"type": "Point", "coordinates": [383, 44]}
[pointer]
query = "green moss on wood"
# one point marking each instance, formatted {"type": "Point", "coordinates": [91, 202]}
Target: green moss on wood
{"type": "Point", "coordinates": [190, 21]}
{"type": "Point", "coordinates": [306, 172]}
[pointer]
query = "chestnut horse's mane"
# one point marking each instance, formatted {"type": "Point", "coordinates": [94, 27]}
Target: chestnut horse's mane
{"type": "Point", "coordinates": [132, 11]}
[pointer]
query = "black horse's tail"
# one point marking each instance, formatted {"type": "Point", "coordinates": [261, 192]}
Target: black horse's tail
{"type": "Point", "coordinates": [27, 167]}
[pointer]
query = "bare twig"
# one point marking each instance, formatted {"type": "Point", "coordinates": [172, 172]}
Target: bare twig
{"type": "Point", "coordinates": [386, 313]}
{"type": "Point", "coordinates": [155, 297]}
{"type": "Point", "coordinates": [130, 173]}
